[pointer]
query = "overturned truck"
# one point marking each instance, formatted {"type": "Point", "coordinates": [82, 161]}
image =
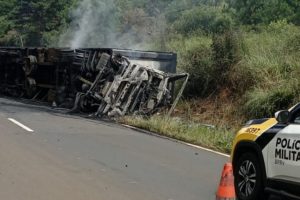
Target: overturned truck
{"type": "Point", "coordinates": [105, 82]}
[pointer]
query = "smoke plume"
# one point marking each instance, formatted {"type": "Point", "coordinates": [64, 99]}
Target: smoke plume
{"type": "Point", "coordinates": [100, 23]}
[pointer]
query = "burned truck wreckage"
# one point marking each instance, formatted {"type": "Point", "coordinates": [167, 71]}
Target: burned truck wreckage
{"type": "Point", "coordinates": [104, 82]}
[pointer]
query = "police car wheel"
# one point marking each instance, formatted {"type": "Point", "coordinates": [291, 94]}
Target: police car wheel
{"type": "Point", "coordinates": [248, 178]}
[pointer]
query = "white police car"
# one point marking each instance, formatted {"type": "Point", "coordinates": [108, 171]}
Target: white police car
{"type": "Point", "coordinates": [266, 157]}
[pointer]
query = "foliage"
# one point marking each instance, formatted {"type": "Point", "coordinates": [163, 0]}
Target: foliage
{"type": "Point", "coordinates": [261, 103]}
{"type": "Point", "coordinates": [226, 53]}
{"type": "Point", "coordinates": [196, 58]}
{"type": "Point", "coordinates": [30, 20]}
{"type": "Point", "coordinates": [266, 11]}
{"type": "Point", "coordinates": [6, 24]}
{"type": "Point", "coordinates": [273, 56]}
{"type": "Point", "coordinates": [203, 19]}
{"type": "Point", "coordinates": [210, 62]}
{"type": "Point", "coordinates": [214, 138]}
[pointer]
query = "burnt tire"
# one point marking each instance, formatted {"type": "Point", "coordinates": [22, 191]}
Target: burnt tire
{"type": "Point", "coordinates": [85, 104]}
{"type": "Point", "coordinates": [248, 179]}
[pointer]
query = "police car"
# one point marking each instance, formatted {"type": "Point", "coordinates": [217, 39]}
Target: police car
{"type": "Point", "coordinates": [266, 157]}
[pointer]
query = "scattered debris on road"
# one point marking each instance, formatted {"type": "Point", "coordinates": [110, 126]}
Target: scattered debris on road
{"type": "Point", "coordinates": [105, 82]}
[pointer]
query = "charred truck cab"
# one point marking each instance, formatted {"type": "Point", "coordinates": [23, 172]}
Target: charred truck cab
{"type": "Point", "coordinates": [104, 81]}
{"type": "Point", "coordinates": [266, 157]}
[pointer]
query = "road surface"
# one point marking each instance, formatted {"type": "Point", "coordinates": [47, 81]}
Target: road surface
{"type": "Point", "coordinates": [55, 156]}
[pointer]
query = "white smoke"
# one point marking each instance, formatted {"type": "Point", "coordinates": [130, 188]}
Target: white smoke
{"type": "Point", "coordinates": [96, 23]}
{"type": "Point", "coordinates": [88, 22]}
{"type": "Point", "coordinates": [93, 23]}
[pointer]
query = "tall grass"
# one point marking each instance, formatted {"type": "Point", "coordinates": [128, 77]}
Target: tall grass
{"type": "Point", "coordinates": [195, 57]}
{"type": "Point", "coordinates": [264, 80]}
{"type": "Point", "coordinates": [273, 57]}
{"type": "Point", "coordinates": [268, 56]}
{"type": "Point", "coordinates": [214, 138]}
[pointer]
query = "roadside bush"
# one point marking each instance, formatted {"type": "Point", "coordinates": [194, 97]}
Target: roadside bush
{"type": "Point", "coordinates": [240, 79]}
{"type": "Point", "coordinates": [195, 57]}
{"type": "Point", "coordinates": [270, 54]}
{"type": "Point", "coordinates": [227, 52]}
{"type": "Point", "coordinates": [256, 70]}
{"type": "Point", "coordinates": [264, 103]}
{"type": "Point", "coordinates": [272, 57]}
{"type": "Point", "coordinates": [198, 63]}
{"type": "Point", "coordinates": [293, 44]}
{"type": "Point", "coordinates": [203, 20]}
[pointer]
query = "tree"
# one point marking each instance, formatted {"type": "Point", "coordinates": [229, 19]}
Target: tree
{"type": "Point", "coordinates": [263, 11]}
{"type": "Point", "coordinates": [5, 12]}
{"type": "Point", "coordinates": [34, 18]}
{"type": "Point", "coordinates": [203, 19]}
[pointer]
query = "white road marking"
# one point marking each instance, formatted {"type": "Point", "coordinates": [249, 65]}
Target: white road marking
{"type": "Point", "coordinates": [133, 182]}
{"type": "Point", "coordinates": [205, 149]}
{"type": "Point", "coordinates": [185, 143]}
{"type": "Point", "coordinates": [20, 125]}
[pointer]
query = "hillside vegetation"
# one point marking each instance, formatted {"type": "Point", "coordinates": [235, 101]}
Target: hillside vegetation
{"type": "Point", "coordinates": [243, 55]}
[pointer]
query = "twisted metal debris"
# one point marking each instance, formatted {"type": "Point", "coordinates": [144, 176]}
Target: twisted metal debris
{"type": "Point", "coordinates": [105, 82]}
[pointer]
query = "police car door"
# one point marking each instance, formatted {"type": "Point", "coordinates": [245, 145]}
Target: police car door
{"type": "Point", "coordinates": [284, 151]}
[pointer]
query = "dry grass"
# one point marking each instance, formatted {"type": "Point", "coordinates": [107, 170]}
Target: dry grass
{"type": "Point", "coordinates": [210, 137]}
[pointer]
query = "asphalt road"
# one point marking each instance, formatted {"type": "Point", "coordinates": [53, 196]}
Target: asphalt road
{"type": "Point", "coordinates": [74, 158]}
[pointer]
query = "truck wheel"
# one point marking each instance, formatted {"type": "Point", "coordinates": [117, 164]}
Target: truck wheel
{"type": "Point", "coordinates": [248, 179]}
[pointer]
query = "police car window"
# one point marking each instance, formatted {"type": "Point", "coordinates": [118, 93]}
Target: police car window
{"type": "Point", "coordinates": [296, 117]}
{"type": "Point", "coordinates": [297, 120]}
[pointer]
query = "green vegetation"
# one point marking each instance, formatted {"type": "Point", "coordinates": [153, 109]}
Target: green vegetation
{"type": "Point", "coordinates": [274, 61]}
{"type": "Point", "coordinates": [243, 55]}
{"type": "Point", "coordinates": [32, 23]}
{"type": "Point", "coordinates": [217, 139]}
{"type": "Point", "coordinates": [261, 11]}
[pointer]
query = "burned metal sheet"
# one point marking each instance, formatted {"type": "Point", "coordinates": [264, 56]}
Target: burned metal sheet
{"type": "Point", "coordinates": [105, 82]}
